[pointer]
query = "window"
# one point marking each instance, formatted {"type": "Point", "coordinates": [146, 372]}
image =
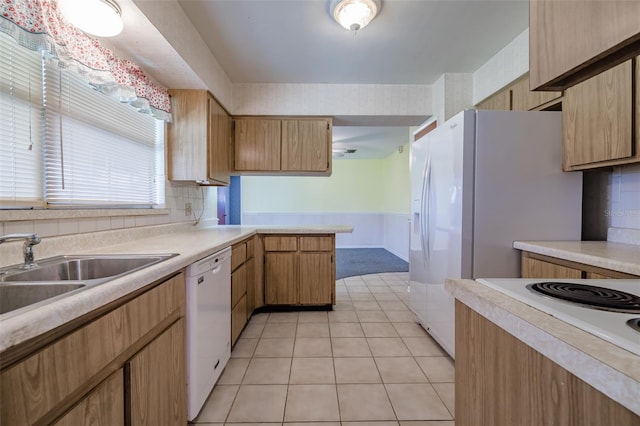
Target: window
{"type": "Point", "coordinates": [90, 150]}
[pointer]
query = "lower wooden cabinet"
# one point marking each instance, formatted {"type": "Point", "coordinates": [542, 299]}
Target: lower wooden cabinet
{"type": "Point", "coordinates": [299, 270]}
{"type": "Point", "coordinates": [156, 376]}
{"type": "Point", "coordinates": [243, 285]}
{"type": "Point", "coordinates": [535, 265]}
{"type": "Point", "coordinates": [104, 406]}
{"type": "Point", "coordinates": [501, 381]}
{"type": "Point", "coordinates": [123, 364]}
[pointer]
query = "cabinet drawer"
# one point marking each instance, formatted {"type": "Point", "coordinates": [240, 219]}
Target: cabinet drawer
{"type": "Point", "coordinates": [250, 247]}
{"type": "Point", "coordinates": [323, 243]}
{"type": "Point", "coordinates": [285, 243]}
{"type": "Point", "coordinates": [238, 255]}
{"type": "Point", "coordinates": [238, 318]}
{"type": "Point", "coordinates": [238, 284]}
{"type": "Point", "coordinates": [64, 367]}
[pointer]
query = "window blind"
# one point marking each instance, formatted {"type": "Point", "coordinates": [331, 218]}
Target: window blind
{"type": "Point", "coordinates": [21, 125]}
{"type": "Point", "coordinates": [97, 151]}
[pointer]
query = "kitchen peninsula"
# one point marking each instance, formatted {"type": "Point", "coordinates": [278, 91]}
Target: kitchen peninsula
{"type": "Point", "coordinates": [104, 346]}
{"type": "Point", "coordinates": [519, 365]}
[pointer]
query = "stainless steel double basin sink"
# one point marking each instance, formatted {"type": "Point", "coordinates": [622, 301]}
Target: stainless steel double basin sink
{"type": "Point", "coordinates": [58, 275]}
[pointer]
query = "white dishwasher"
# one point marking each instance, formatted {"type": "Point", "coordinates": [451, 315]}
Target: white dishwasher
{"type": "Point", "coordinates": [208, 326]}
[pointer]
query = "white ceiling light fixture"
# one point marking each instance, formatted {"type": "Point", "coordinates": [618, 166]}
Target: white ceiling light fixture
{"type": "Point", "coordinates": [101, 18]}
{"type": "Point", "coordinates": [354, 14]}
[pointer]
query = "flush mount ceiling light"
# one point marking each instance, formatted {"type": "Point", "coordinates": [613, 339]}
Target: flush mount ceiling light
{"type": "Point", "coordinates": [97, 17]}
{"type": "Point", "coordinates": [354, 14]}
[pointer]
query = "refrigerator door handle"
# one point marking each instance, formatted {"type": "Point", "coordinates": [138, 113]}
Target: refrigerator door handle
{"type": "Point", "coordinates": [424, 223]}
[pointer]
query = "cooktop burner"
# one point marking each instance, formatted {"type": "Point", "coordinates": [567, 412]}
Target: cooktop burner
{"type": "Point", "coordinates": [589, 295]}
{"type": "Point", "coordinates": [634, 323]}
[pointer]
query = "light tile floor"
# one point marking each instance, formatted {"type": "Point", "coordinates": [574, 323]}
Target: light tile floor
{"type": "Point", "coordinates": [366, 363]}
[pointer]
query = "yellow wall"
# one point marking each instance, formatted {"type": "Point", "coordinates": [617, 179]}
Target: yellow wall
{"type": "Point", "coordinates": [355, 186]}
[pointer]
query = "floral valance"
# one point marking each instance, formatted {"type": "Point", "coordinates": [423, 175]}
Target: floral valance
{"type": "Point", "coordinates": [39, 25]}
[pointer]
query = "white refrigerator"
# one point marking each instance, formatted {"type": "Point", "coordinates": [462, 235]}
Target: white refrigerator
{"type": "Point", "coordinates": [480, 181]}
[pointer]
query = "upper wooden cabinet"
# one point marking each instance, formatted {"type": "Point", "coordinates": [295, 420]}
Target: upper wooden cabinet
{"type": "Point", "coordinates": [570, 41]}
{"type": "Point", "coordinates": [199, 139]}
{"type": "Point", "coordinates": [598, 120]}
{"type": "Point", "coordinates": [518, 97]}
{"type": "Point", "coordinates": [294, 146]}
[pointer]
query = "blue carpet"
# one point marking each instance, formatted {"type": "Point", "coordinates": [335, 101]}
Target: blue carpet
{"type": "Point", "coordinates": [351, 262]}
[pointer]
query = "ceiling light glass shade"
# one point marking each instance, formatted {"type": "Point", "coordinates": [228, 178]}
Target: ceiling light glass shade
{"type": "Point", "coordinates": [97, 17]}
{"type": "Point", "coordinates": [354, 14]}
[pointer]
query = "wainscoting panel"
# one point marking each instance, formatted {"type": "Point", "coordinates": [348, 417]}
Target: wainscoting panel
{"type": "Point", "coordinates": [387, 230]}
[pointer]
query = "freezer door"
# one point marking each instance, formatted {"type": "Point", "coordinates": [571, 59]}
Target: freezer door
{"type": "Point", "coordinates": [417, 261]}
{"type": "Point", "coordinates": [444, 201]}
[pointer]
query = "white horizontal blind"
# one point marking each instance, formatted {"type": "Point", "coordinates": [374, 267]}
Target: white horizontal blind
{"type": "Point", "coordinates": [98, 151]}
{"type": "Point", "coordinates": [21, 125]}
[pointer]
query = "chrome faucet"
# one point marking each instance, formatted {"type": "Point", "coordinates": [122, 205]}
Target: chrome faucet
{"type": "Point", "coordinates": [27, 248]}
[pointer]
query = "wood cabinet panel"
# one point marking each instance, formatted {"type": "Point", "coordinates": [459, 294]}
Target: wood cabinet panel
{"type": "Point", "coordinates": [238, 255]}
{"type": "Point", "coordinates": [104, 406]}
{"type": "Point", "coordinates": [152, 372]}
{"type": "Point", "coordinates": [597, 119]}
{"type": "Point", "coordinates": [523, 99]}
{"type": "Point", "coordinates": [316, 243]}
{"type": "Point", "coordinates": [306, 145]}
{"type": "Point", "coordinates": [238, 319]}
{"type": "Point", "coordinates": [257, 144]}
{"type": "Point", "coordinates": [281, 278]}
{"type": "Point", "coordinates": [570, 41]}
{"type": "Point", "coordinates": [534, 268]}
{"type": "Point", "coordinates": [317, 273]}
{"type": "Point", "coordinates": [251, 286]}
{"type": "Point", "coordinates": [500, 101]}
{"type": "Point", "coordinates": [596, 276]}
{"type": "Point", "coordinates": [187, 135]}
{"type": "Point", "coordinates": [280, 243]}
{"type": "Point", "coordinates": [198, 139]}
{"type": "Point", "coordinates": [500, 381]}
{"type": "Point", "coordinates": [33, 387]}
{"type": "Point", "coordinates": [251, 244]}
{"type": "Point", "coordinates": [219, 143]}
{"type": "Point", "coordinates": [238, 284]}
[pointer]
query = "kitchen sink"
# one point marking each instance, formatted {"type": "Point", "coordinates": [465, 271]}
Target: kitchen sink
{"type": "Point", "coordinates": [62, 274]}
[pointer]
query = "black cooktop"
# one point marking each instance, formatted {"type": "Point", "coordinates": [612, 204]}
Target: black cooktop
{"type": "Point", "coordinates": [590, 295]}
{"type": "Point", "coordinates": [634, 323]}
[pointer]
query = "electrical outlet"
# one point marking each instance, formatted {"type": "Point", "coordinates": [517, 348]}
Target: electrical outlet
{"type": "Point", "coordinates": [187, 209]}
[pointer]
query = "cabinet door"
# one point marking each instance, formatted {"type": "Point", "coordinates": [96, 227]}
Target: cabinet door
{"type": "Point", "coordinates": [219, 143]}
{"type": "Point", "coordinates": [157, 377]}
{"type": "Point", "coordinates": [597, 119]}
{"type": "Point", "coordinates": [251, 285]}
{"type": "Point", "coordinates": [570, 41]}
{"type": "Point", "coordinates": [187, 139]}
{"type": "Point", "coordinates": [257, 144]}
{"type": "Point", "coordinates": [238, 319]}
{"type": "Point", "coordinates": [523, 99]}
{"type": "Point", "coordinates": [281, 278]}
{"type": "Point", "coordinates": [104, 406]}
{"type": "Point", "coordinates": [238, 284]}
{"type": "Point", "coordinates": [306, 145]}
{"type": "Point", "coordinates": [534, 268]}
{"type": "Point", "coordinates": [317, 276]}
{"type": "Point", "coordinates": [500, 101]}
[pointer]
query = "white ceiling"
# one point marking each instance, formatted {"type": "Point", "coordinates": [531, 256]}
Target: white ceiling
{"type": "Point", "coordinates": [297, 41]}
{"type": "Point", "coordinates": [409, 42]}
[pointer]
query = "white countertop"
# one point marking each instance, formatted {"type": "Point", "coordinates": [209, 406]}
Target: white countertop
{"type": "Point", "coordinates": [191, 244]}
{"type": "Point", "coordinates": [603, 254]}
{"type": "Point", "coordinates": [607, 367]}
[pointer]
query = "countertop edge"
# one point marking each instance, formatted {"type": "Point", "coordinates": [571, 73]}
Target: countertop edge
{"type": "Point", "coordinates": [191, 245]}
{"type": "Point", "coordinates": [586, 252]}
{"type": "Point", "coordinates": [563, 343]}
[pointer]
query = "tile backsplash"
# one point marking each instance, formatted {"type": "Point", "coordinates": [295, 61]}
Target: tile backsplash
{"type": "Point", "coordinates": [176, 196]}
{"type": "Point", "coordinates": [611, 199]}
